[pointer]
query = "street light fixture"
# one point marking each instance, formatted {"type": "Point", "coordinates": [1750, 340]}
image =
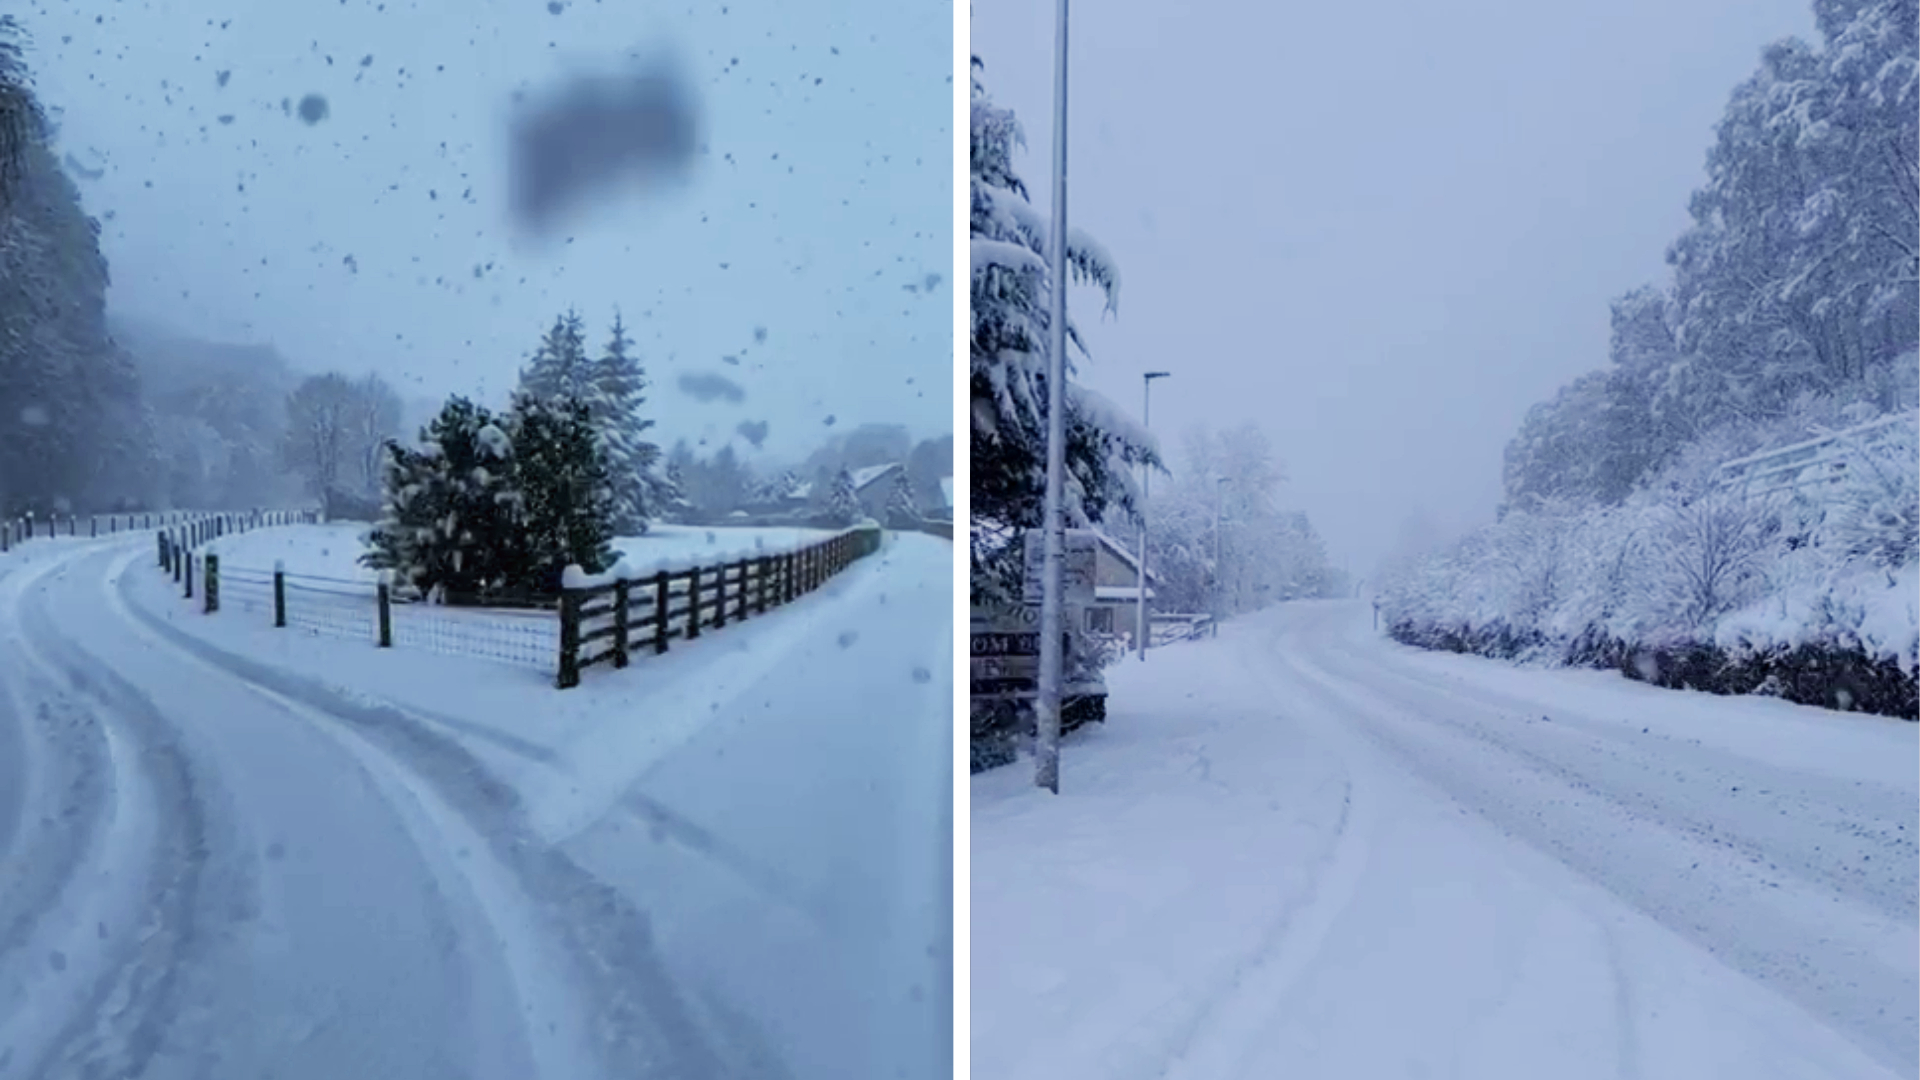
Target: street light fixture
{"type": "Point", "coordinates": [1219, 567]}
{"type": "Point", "coordinates": [1146, 479]}
{"type": "Point", "coordinates": [1052, 621]}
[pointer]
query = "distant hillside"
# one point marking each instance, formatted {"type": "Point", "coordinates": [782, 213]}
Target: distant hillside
{"type": "Point", "coordinates": [219, 411]}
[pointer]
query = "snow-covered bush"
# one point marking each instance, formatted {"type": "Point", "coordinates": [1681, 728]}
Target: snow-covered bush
{"type": "Point", "coordinates": [494, 507]}
{"type": "Point", "coordinates": [1696, 587]}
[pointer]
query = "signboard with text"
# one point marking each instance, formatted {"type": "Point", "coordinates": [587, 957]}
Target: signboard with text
{"type": "Point", "coordinates": [1076, 570]}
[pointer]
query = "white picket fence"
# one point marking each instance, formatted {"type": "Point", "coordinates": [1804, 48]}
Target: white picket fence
{"type": "Point", "coordinates": [1803, 464]}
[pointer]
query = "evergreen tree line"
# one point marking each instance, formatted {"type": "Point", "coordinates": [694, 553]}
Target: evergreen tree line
{"type": "Point", "coordinates": [97, 416]}
{"type": "Point", "coordinates": [75, 434]}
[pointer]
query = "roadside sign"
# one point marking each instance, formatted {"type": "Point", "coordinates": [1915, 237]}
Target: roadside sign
{"type": "Point", "coordinates": [1005, 644]}
{"type": "Point", "coordinates": [1076, 571]}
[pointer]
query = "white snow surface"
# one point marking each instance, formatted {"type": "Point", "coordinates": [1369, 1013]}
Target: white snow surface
{"type": "Point", "coordinates": [1878, 610]}
{"type": "Point", "coordinates": [260, 851]}
{"type": "Point", "coordinates": [1301, 850]}
{"type": "Point", "coordinates": [332, 551]}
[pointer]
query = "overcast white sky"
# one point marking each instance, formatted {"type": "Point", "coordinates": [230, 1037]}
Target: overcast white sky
{"type": "Point", "coordinates": [1381, 230]}
{"type": "Point", "coordinates": [825, 195]}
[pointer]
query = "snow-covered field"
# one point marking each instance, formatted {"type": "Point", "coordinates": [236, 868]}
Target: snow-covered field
{"type": "Point", "coordinates": [1300, 850]}
{"type": "Point", "coordinates": [262, 851]}
{"type": "Point", "coordinates": [332, 551]}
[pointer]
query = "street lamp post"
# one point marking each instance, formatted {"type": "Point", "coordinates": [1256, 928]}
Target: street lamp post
{"type": "Point", "coordinates": [1052, 621]}
{"type": "Point", "coordinates": [1219, 567]}
{"type": "Point", "coordinates": [1146, 479]}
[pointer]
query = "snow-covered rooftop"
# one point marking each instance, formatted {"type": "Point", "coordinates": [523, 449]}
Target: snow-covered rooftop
{"type": "Point", "coordinates": [864, 477]}
{"type": "Point", "coordinates": [1121, 552]}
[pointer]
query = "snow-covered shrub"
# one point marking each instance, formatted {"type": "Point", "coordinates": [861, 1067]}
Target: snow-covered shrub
{"type": "Point", "coordinates": [1715, 546]}
{"type": "Point", "coordinates": [843, 503]}
{"type": "Point", "coordinates": [565, 500]}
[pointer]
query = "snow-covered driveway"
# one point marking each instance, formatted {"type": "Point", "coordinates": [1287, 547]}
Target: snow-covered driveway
{"type": "Point", "coordinates": [226, 851]}
{"type": "Point", "coordinates": [1302, 851]}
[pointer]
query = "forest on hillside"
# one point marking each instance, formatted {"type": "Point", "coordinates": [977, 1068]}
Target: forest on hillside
{"type": "Point", "coordinates": [1791, 314]}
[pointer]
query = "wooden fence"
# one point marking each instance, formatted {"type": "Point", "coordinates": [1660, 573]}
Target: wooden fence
{"type": "Point", "coordinates": [603, 624]}
{"type": "Point", "coordinates": [598, 624]}
{"type": "Point", "coordinates": [180, 540]}
{"type": "Point", "coordinates": [16, 531]}
{"type": "Point", "coordinates": [1821, 460]}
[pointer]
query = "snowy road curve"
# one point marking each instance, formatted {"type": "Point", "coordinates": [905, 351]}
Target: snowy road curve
{"type": "Point", "coordinates": [210, 868]}
{"type": "Point", "coordinates": [1362, 860]}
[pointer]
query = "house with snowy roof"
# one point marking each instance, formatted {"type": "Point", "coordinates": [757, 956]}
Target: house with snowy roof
{"type": "Point", "coordinates": [1116, 588]}
{"type": "Point", "coordinates": [873, 485]}
{"type": "Point", "coordinates": [942, 510]}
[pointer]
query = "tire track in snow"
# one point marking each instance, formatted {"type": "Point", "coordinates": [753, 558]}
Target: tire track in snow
{"type": "Point", "coordinates": [639, 1023]}
{"type": "Point", "coordinates": [1838, 967]}
{"type": "Point", "coordinates": [1225, 1036]}
{"type": "Point", "coordinates": [1848, 841]}
{"type": "Point", "coordinates": [129, 933]}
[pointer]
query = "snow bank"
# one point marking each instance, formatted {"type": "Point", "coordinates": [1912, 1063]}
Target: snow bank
{"type": "Point", "coordinates": [1876, 612]}
{"type": "Point", "coordinates": [678, 549]}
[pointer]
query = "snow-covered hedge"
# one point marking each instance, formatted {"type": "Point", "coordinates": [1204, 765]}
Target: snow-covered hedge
{"type": "Point", "coordinates": [1813, 595]}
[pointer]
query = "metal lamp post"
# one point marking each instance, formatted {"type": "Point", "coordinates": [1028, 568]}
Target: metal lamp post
{"type": "Point", "coordinates": [1052, 623]}
{"type": "Point", "coordinates": [1219, 567]}
{"type": "Point", "coordinates": [1146, 479]}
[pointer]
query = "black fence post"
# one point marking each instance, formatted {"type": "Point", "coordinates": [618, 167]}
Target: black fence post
{"type": "Point", "coordinates": [662, 587]}
{"type": "Point", "coordinates": [720, 596]}
{"type": "Point", "coordinates": [173, 548]}
{"type": "Point", "coordinates": [162, 537]}
{"type": "Point", "coordinates": [622, 593]}
{"type": "Point", "coordinates": [279, 594]}
{"type": "Point", "coordinates": [211, 587]}
{"type": "Point", "coordinates": [569, 639]}
{"type": "Point", "coordinates": [93, 527]}
{"type": "Point", "coordinates": [386, 615]}
{"type": "Point", "coordinates": [745, 597]}
{"type": "Point", "coordinates": [189, 577]}
{"type": "Point", "coordinates": [693, 603]}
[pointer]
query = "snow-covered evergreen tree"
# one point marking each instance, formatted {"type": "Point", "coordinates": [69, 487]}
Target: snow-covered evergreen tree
{"type": "Point", "coordinates": [901, 511]}
{"type": "Point", "coordinates": [1010, 343]}
{"type": "Point", "coordinates": [559, 367]}
{"type": "Point", "coordinates": [453, 512]}
{"type": "Point", "coordinates": [619, 384]}
{"type": "Point", "coordinates": [843, 503]}
{"type": "Point", "coordinates": [565, 499]}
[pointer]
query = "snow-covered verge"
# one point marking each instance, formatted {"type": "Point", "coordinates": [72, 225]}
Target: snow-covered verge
{"type": "Point", "coordinates": [1811, 595]}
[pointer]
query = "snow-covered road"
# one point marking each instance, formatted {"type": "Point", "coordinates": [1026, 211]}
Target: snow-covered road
{"type": "Point", "coordinates": [218, 862]}
{"type": "Point", "coordinates": [1302, 851]}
